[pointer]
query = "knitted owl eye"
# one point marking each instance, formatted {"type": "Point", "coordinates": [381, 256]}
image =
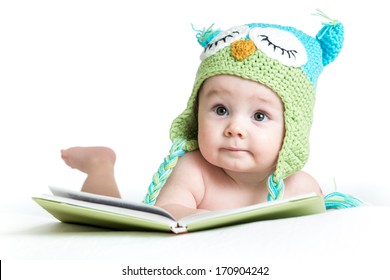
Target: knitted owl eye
{"type": "Point", "coordinates": [223, 39]}
{"type": "Point", "coordinates": [280, 45]}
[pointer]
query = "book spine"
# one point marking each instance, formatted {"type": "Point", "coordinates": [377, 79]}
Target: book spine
{"type": "Point", "coordinates": [179, 228]}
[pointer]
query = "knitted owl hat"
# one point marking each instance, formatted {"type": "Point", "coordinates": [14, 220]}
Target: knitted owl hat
{"type": "Point", "coordinates": [281, 57]}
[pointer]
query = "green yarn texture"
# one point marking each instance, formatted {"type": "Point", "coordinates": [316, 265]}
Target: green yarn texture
{"type": "Point", "coordinates": [291, 84]}
{"type": "Point", "coordinates": [163, 172]}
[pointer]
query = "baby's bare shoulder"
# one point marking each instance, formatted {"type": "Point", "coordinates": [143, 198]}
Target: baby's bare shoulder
{"type": "Point", "coordinates": [193, 158]}
{"type": "Point", "coordinates": [191, 163]}
{"type": "Point", "coordinates": [301, 183]}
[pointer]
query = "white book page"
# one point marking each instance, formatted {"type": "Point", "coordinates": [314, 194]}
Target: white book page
{"type": "Point", "coordinates": [112, 201]}
{"type": "Point", "coordinates": [112, 209]}
{"type": "Point", "coordinates": [216, 214]}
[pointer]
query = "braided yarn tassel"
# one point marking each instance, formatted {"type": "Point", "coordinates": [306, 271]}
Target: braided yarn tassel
{"type": "Point", "coordinates": [165, 169]}
{"type": "Point", "coordinates": [275, 190]}
{"type": "Point", "coordinates": [336, 200]}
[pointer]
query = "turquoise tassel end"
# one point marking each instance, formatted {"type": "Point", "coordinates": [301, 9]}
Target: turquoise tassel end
{"type": "Point", "coordinates": [204, 36]}
{"type": "Point", "coordinates": [336, 200]}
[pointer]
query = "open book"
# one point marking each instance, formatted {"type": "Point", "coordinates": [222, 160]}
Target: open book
{"type": "Point", "coordinates": [114, 213]}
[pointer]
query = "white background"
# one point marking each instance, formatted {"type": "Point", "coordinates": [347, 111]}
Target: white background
{"type": "Point", "coordinates": [116, 73]}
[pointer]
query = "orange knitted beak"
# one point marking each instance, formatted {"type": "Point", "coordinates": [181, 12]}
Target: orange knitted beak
{"type": "Point", "coordinates": [241, 49]}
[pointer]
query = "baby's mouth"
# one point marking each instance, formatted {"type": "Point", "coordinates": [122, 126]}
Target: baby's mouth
{"type": "Point", "coordinates": [232, 149]}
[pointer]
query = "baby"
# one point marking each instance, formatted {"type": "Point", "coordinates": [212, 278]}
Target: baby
{"type": "Point", "coordinates": [244, 136]}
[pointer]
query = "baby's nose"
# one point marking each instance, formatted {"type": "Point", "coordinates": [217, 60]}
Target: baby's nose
{"type": "Point", "coordinates": [235, 130]}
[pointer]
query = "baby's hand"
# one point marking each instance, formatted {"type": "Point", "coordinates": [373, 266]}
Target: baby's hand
{"type": "Point", "coordinates": [179, 211]}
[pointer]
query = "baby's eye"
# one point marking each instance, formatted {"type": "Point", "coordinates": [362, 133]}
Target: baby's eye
{"type": "Point", "coordinates": [224, 39]}
{"type": "Point", "coordinates": [280, 45]}
{"type": "Point", "coordinates": [259, 116]}
{"type": "Point", "coordinates": [221, 111]}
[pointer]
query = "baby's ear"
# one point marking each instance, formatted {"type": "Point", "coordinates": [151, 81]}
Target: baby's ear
{"type": "Point", "coordinates": [331, 38]}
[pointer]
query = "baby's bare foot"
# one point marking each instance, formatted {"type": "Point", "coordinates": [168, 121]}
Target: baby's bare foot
{"type": "Point", "coordinates": [88, 159]}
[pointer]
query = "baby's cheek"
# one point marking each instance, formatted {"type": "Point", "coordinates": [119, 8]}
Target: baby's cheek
{"type": "Point", "coordinates": [206, 133]}
{"type": "Point", "coordinates": [207, 146]}
{"type": "Point", "coordinates": [266, 146]}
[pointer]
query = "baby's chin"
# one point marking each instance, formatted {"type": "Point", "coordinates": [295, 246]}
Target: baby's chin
{"type": "Point", "coordinates": [239, 167]}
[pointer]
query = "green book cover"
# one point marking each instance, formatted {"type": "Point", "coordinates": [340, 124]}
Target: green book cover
{"type": "Point", "coordinates": [113, 213]}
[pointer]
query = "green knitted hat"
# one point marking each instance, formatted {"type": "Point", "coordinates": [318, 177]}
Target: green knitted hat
{"type": "Point", "coordinates": [281, 57]}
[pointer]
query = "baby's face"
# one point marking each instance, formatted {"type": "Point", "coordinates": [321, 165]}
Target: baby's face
{"type": "Point", "coordinates": [240, 124]}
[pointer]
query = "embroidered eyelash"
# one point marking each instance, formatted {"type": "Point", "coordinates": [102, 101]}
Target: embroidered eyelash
{"type": "Point", "coordinates": [289, 52]}
{"type": "Point", "coordinates": [209, 46]}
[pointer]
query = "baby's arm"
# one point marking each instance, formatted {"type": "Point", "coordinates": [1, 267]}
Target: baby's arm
{"type": "Point", "coordinates": [184, 189]}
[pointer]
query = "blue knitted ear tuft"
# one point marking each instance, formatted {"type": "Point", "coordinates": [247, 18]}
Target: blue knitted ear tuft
{"type": "Point", "coordinates": [330, 37]}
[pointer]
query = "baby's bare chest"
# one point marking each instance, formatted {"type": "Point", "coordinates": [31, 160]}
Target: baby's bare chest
{"type": "Point", "coordinates": [222, 193]}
